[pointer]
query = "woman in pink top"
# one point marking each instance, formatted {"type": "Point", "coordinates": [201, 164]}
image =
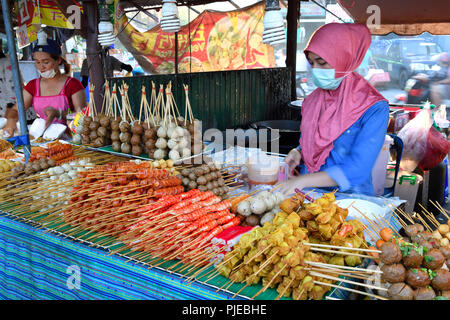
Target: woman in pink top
{"type": "Point", "coordinates": [53, 94]}
{"type": "Point", "coordinates": [344, 121]}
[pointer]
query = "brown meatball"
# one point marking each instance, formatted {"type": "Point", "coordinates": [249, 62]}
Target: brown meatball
{"type": "Point", "coordinates": [421, 237]}
{"type": "Point", "coordinates": [427, 244]}
{"type": "Point", "coordinates": [116, 146]}
{"type": "Point", "coordinates": [420, 227]}
{"type": "Point", "coordinates": [442, 280]}
{"type": "Point", "coordinates": [446, 252]}
{"type": "Point", "coordinates": [413, 259]}
{"type": "Point", "coordinates": [417, 278]}
{"type": "Point", "coordinates": [390, 253]}
{"type": "Point", "coordinates": [411, 230]}
{"type": "Point", "coordinates": [424, 293]}
{"type": "Point", "coordinates": [393, 273]}
{"type": "Point", "coordinates": [400, 291]}
{"type": "Point", "coordinates": [434, 259]}
{"type": "Point", "coordinates": [252, 220]}
{"type": "Point", "coordinates": [426, 235]}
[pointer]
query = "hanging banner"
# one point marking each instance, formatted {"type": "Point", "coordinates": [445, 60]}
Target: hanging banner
{"type": "Point", "coordinates": [33, 13]}
{"type": "Point", "coordinates": [213, 41]}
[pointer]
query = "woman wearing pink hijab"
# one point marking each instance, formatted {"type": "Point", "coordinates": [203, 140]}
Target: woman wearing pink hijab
{"type": "Point", "coordinates": [344, 121]}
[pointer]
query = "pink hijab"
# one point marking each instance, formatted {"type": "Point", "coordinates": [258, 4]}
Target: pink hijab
{"type": "Point", "coordinates": [326, 114]}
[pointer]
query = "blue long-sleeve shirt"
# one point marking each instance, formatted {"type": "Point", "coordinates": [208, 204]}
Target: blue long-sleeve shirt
{"type": "Point", "coordinates": [355, 151]}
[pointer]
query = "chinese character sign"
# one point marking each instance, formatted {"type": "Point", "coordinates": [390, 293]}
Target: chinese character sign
{"type": "Point", "coordinates": [213, 41]}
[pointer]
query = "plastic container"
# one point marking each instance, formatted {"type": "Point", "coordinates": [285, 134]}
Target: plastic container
{"type": "Point", "coordinates": [265, 169]}
{"type": "Point", "coordinates": [406, 188]}
{"type": "Point", "coordinates": [380, 167]}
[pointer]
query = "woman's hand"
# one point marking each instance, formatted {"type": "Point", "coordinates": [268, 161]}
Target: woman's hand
{"type": "Point", "coordinates": [319, 179]}
{"type": "Point", "coordinates": [288, 187]}
{"type": "Point", "coordinates": [10, 127]}
{"type": "Point", "coordinates": [51, 114]}
{"type": "Point", "coordinates": [293, 159]}
{"type": "Point", "coordinates": [12, 117]}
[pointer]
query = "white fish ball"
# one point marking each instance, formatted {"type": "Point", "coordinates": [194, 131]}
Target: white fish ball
{"type": "Point", "coordinates": [162, 132]}
{"type": "Point", "coordinates": [174, 155]}
{"type": "Point", "coordinates": [161, 143]}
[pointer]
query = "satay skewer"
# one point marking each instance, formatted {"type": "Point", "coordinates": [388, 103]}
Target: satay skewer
{"type": "Point", "coordinates": [339, 247]}
{"type": "Point", "coordinates": [351, 290]}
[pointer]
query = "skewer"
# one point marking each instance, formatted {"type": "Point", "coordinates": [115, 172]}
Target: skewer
{"type": "Point", "coordinates": [351, 290]}
{"type": "Point", "coordinates": [423, 222]}
{"type": "Point", "coordinates": [317, 274]}
{"type": "Point", "coordinates": [405, 215]}
{"type": "Point", "coordinates": [284, 290]}
{"type": "Point", "coordinates": [331, 298]}
{"type": "Point", "coordinates": [341, 252]}
{"type": "Point", "coordinates": [339, 247]}
{"type": "Point", "coordinates": [261, 267]}
{"type": "Point", "coordinates": [336, 267]}
{"type": "Point", "coordinates": [267, 285]}
{"type": "Point", "coordinates": [430, 216]}
{"type": "Point", "coordinates": [440, 208]}
{"type": "Point", "coordinates": [348, 274]}
{"type": "Point", "coordinates": [240, 290]}
{"type": "Point", "coordinates": [396, 216]}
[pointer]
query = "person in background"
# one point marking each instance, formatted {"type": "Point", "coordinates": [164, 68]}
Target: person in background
{"type": "Point", "coordinates": [54, 93]}
{"type": "Point", "coordinates": [7, 92]}
{"type": "Point", "coordinates": [344, 121]}
{"type": "Point", "coordinates": [439, 79]}
{"type": "Point", "coordinates": [111, 64]}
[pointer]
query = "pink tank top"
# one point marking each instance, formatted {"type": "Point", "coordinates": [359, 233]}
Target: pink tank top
{"type": "Point", "coordinates": [59, 102]}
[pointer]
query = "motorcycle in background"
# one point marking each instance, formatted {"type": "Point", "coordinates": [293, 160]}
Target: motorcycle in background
{"type": "Point", "coordinates": [416, 92]}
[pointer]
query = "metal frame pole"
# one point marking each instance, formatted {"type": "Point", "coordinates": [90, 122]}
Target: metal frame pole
{"type": "Point", "coordinates": [16, 74]}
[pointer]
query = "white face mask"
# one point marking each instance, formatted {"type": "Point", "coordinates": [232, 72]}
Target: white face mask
{"type": "Point", "coordinates": [47, 74]}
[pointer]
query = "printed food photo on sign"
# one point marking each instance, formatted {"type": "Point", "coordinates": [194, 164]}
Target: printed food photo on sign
{"type": "Point", "coordinates": [190, 64]}
{"type": "Point", "coordinates": [166, 67]}
{"type": "Point", "coordinates": [227, 44]}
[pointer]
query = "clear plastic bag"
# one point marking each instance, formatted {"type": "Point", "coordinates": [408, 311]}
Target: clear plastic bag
{"type": "Point", "coordinates": [414, 136]}
{"type": "Point", "coordinates": [440, 117]}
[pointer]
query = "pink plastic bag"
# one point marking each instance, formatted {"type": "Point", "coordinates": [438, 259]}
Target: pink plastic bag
{"type": "Point", "coordinates": [414, 136]}
{"type": "Point", "coordinates": [437, 148]}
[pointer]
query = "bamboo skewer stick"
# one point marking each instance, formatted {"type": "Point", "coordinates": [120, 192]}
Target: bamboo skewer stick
{"type": "Point", "coordinates": [336, 267]}
{"type": "Point", "coordinates": [340, 247]}
{"type": "Point", "coordinates": [440, 208]}
{"type": "Point", "coordinates": [405, 215]}
{"type": "Point", "coordinates": [246, 285]}
{"type": "Point", "coordinates": [285, 289]}
{"type": "Point", "coordinates": [423, 222]}
{"type": "Point", "coordinates": [267, 285]}
{"type": "Point", "coordinates": [331, 298]}
{"type": "Point", "coordinates": [317, 274]}
{"type": "Point", "coordinates": [351, 290]}
{"type": "Point", "coordinates": [343, 253]}
{"type": "Point", "coordinates": [402, 223]}
{"type": "Point", "coordinates": [345, 273]}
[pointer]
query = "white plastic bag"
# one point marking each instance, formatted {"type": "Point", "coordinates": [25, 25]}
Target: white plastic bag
{"type": "Point", "coordinates": [54, 131]}
{"type": "Point", "coordinates": [414, 136]}
{"type": "Point", "coordinates": [37, 128]}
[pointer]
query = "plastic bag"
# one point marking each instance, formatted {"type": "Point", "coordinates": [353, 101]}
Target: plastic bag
{"type": "Point", "coordinates": [414, 136]}
{"type": "Point", "coordinates": [440, 117]}
{"type": "Point", "coordinates": [437, 149]}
